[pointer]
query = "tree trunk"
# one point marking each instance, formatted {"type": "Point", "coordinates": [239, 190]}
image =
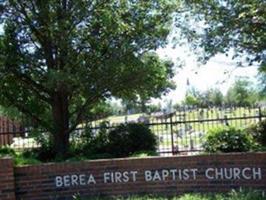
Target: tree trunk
{"type": "Point", "coordinates": [61, 123]}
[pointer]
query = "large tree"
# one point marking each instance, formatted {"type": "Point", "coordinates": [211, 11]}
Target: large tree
{"type": "Point", "coordinates": [217, 26]}
{"type": "Point", "coordinates": [59, 58]}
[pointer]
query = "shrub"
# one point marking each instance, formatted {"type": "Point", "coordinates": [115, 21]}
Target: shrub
{"type": "Point", "coordinates": [228, 139]}
{"type": "Point", "coordinates": [45, 153]}
{"type": "Point", "coordinates": [124, 140]}
{"type": "Point", "coordinates": [258, 131]}
{"type": "Point", "coordinates": [6, 151]}
{"type": "Point", "coordinates": [127, 139]}
{"type": "Point", "coordinates": [91, 145]}
{"type": "Point", "coordinates": [25, 159]}
{"type": "Point", "coordinates": [20, 158]}
{"type": "Point", "coordinates": [42, 154]}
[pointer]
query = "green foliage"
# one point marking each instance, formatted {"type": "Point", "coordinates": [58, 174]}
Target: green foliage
{"type": "Point", "coordinates": [127, 139]}
{"type": "Point", "coordinates": [193, 97]}
{"type": "Point", "coordinates": [262, 82]}
{"type": "Point", "coordinates": [246, 195]}
{"type": "Point", "coordinates": [241, 94]}
{"type": "Point", "coordinates": [233, 195]}
{"type": "Point", "coordinates": [25, 159]}
{"type": "Point", "coordinates": [20, 158]}
{"type": "Point", "coordinates": [191, 100]}
{"type": "Point", "coordinates": [102, 109]}
{"type": "Point", "coordinates": [258, 131]}
{"type": "Point", "coordinates": [60, 59]}
{"type": "Point", "coordinates": [154, 108]}
{"type": "Point", "coordinates": [94, 146]}
{"type": "Point", "coordinates": [6, 151]}
{"type": "Point", "coordinates": [46, 152]}
{"type": "Point", "coordinates": [11, 113]}
{"type": "Point", "coordinates": [228, 139]}
{"type": "Point", "coordinates": [227, 24]}
{"type": "Point", "coordinates": [210, 97]}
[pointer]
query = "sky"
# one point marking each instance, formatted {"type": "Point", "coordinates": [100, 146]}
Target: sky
{"type": "Point", "coordinates": [219, 72]}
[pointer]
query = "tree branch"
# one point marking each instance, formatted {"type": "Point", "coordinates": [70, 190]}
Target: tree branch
{"type": "Point", "coordinates": [23, 109]}
{"type": "Point", "coordinates": [80, 110]}
{"type": "Point", "coordinates": [37, 88]}
{"type": "Point", "coordinates": [93, 100]}
{"type": "Point", "coordinates": [44, 41]}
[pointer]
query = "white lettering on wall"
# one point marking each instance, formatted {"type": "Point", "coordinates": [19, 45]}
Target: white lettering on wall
{"type": "Point", "coordinates": [194, 172]}
{"type": "Point", "coordinates": [246, 173]}
{"type": "Point", "coordinates": [209, 173]}
{"type": "Point", "coordinates": [234, 173]}
{"type": "Point", "coordinates": [74, 180]}
{"type": "Point", "coordinates": [91, 180]}
{"type": "Point", "coordinates": [257, 173]}
{"type": "Point", "coordinates": [162, 175]}
{"type": "Point", "coordinates": [170, 174]}
{"type": "Point", "coordinates": [58, 181]}
{"type": "Point", "coordinates": [119, 177]}
{"type": "Point", "coordinates": [148, 176]}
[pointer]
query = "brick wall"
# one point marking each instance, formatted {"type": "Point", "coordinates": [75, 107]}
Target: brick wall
{"type": "Point", "coordinates": [161, 175]}
{"type": "Point", "coordinates": [7, 187]}
{"type": "Point", "coordinates": [171, 175]}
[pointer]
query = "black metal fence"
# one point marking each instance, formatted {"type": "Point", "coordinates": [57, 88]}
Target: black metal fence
{"type": "Point", "coordinates": [178, 132]}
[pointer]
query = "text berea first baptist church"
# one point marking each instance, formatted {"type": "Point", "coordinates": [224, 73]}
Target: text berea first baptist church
{"type": "Point", "coordinates": [112, 177]}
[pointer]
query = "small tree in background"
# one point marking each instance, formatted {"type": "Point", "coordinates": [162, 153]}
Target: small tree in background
{"type": "Point", "coordinates": [212, 97]}
{"type": "Point", "coordinates": [241, 93]}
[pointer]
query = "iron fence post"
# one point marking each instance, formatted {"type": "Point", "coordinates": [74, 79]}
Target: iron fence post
{"type": "Point", "coordinates": [172, 134]}
{"type": "Point", "coordinates": [260, 114]}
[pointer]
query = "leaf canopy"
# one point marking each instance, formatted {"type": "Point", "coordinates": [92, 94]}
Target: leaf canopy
{"type": "Point", "coordinates": [80, 52]}
{"type": "Point", "coordinates": [225, 25]}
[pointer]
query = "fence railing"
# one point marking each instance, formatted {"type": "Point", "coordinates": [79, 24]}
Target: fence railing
{"type": "Point", "coordinates": [183, 131]}
{"type": "Point", "coordinates": [178, 132]}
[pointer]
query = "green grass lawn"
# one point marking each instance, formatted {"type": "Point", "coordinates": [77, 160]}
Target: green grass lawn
{"type": "Point", "coordinates": [233, 195]}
